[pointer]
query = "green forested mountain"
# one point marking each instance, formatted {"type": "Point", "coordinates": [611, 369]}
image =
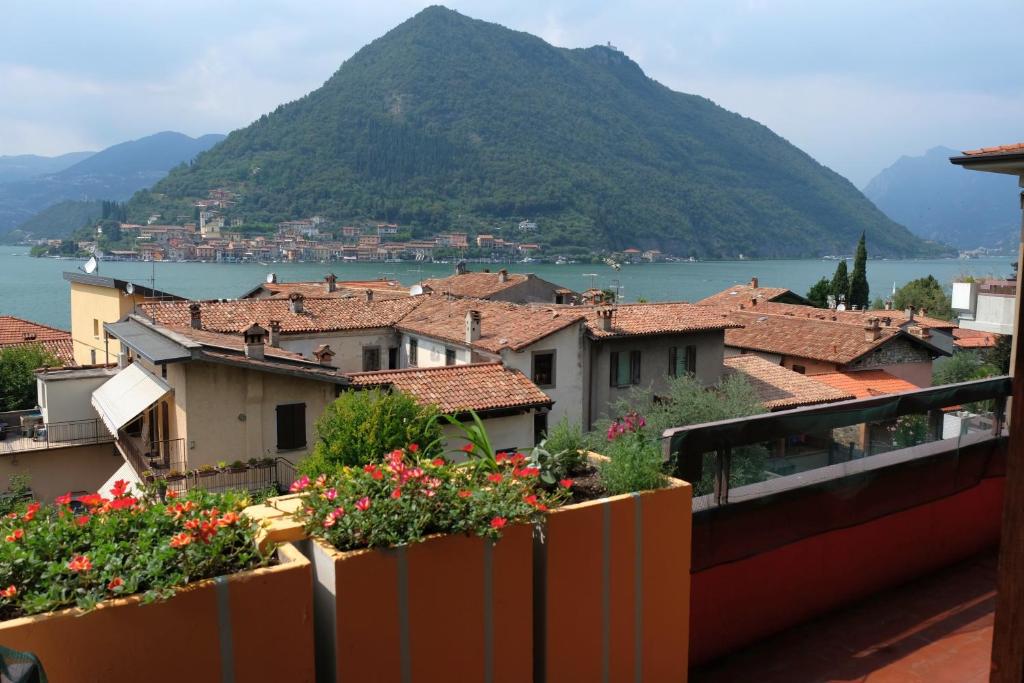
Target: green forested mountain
{"type": "Point", "coordinates": [450, 123]}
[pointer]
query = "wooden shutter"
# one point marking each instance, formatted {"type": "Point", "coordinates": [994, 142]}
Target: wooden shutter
{"type": "Point", "coordinates": [634, 367]}
{"type": "Point", "coordinates": [691, 360]}
{"type": "Point", "coordinates": [291, 426]}
{"type": "Point", "coordinates": [614, 365]}
{"type": "Point", "coordinates": [672, 353]}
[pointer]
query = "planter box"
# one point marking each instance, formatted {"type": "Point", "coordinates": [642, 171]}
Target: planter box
{"type": "Point", "coordinates": [452, 608]}
{"type": "Point", "coordinates": [613, 588]}
{"type": "Point", "coordinates": [250, 626]}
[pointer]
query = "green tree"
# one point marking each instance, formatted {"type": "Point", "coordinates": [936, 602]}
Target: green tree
{"type": "Point", "coordinates": [17, 375]}
{"type": "Point", "coordinates": [963, 366]}
{"type": "Point", "coordinates": [361, 427]}
{"type": "Point", "coordinates": [840, 282]}
{"type": "Point", "coordinates": [819, 292]}
{"type": "Point", "coordinates": [999, 356]}
{"type": "Point", "coordinates": [859, 290]}
{"type": "Point", "coordinates": [924, 294]}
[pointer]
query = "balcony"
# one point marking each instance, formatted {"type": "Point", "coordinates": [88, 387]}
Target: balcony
{"type": "Point", "coordinates": [25, 431]}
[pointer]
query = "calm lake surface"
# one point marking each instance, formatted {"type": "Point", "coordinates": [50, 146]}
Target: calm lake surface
{"type": "Point", "coordinates": [33, 288]}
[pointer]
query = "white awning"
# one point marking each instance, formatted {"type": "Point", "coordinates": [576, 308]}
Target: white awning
{"type": "Point", "coordinates": [122, 398]}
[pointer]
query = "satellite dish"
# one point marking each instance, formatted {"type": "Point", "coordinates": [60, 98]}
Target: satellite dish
{"type": "Point", "coordinates": [130, 288]}
{"type": "Point", "coordinates": [90, 265]}
{"type": "Point", "coordinates": [841, 307]}
{"type": "Point", "coordinates": [416, 290]}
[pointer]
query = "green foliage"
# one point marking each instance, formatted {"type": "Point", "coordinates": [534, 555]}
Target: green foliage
{"type": "Point", "coordinates": [19, 489]}
{"type": "Point", "coordinates": [999, 357]}
{"type": "Point", "coordinates": [819, 292]}
{"type": "Point", "coordinates": [450, 121]}
{"type": "Point", "coordinates": [878, 304]}
{"type": "Point", "coordinates": [567, 445]}
{"type": "Point", "coordinates": [840, 282]}
{"type": "Point", "coordinates": [924, 294]}
{"type": "Point", "coordinates": [17, 376]}
{"type": "Point", "coordinates": [634, 463]}
{"type": "Point", "coordinates": [963, 366]}
{"type": "Point", "coordinates": [53, 558]}
{"type": "Point", "coordinates": [910, 430]}
{"type": "Point", "coordinates": [859, 290]}
{"type": "Point", "coordinates": [359, 426]}
{"type": "Point", "coordinates": [56, 220]}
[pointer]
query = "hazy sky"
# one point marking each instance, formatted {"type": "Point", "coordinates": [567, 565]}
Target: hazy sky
{"type": "Point", "coordinates": [856, 84]}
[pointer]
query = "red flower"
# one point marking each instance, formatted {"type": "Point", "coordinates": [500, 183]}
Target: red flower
{"type": "Point", "coordinates": [465, 494]}
{"type": "Point", "coordinates": [518, 458]}
{"type": "Point", "coordinates": [181, 540]}
{"type": "Point", "coordinates": [565, 483]}
{"type": "Point", "coordinates": [396, 494]}
{"type": "Point", "coordinates": [437, 462]}
{"type": "Point", "coordinates": [30, 513]}
{"type": "Point", "coordinates": [498, 522]}
{"type": "Point", "coordinates": [530, 499]}
{"type": "Point", "coordinates": [15, 535]}
{"type": "Point", "coordinates": [374, 471]}
{"type": "Point", "coordinates": [123, 503]}
{"type": "Point", "coordinates": [468, 448]}
{"type": "Point", "coordinates": [9, 592]}
{"type": "Point", "coordinates": [171, 495]}
{"type": "Point", "coordinates": [363, 504]}
{"type": "Point", "coordinates": [494, 478]}
{"type": "Point", "coordinates": [414, 448]}
{"type": "Point", "coordinates": [63, 500]}
{"type": "Point", "coordinates": [119, 489]}
{"type": "Point", "coordinates": [80, 563]}
{"type": "Point", "coordinates": [228, 519]}
{"type": "Point", "coordinates": [82, 520]}
{"type": "Point", "coordinates": [115, 583]}
{"type": "Point", "coordinates": [92, 500]}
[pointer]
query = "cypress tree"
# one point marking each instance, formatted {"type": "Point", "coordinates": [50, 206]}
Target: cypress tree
{"type": "Point", "coordinates": [840, 283]}
{"type": "Point", "coordinates": [859, 294]}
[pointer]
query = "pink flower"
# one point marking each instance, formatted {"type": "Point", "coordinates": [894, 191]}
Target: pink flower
{"type": "Point", "coordinates": [337, 512]}
{"type": "Point", "coordinates": [328, 522]}
{"type": "Point", "coordinates": [9, 592]}
{"type": "Point", "coordinates": [363, 504]}
{"type": "Point", "coordinates": [331, 494]}
{"type": "Point", "coordinates": [498, 522]}
{"type": "Point", "coordinates": [321, 481]}
{"type": "Point", "coordinates": [80, 563]}
{"type": "Point", "coordinates": [565, 483]}
{"type": "Point", "coordinates": [300, 484]}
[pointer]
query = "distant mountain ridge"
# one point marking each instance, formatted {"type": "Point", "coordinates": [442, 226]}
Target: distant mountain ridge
{"type": "Point", "coordinates": [23, 166]}
{"type": "Point", "coordinates": [939, 201]}
{"type": "Point", "coordinates": [114, 173]}
{"type": "Point", "coordinates": [450, 123]}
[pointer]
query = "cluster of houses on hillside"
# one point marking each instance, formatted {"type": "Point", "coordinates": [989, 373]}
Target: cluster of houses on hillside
{"type": "Point", "coordinates": [180, 385]}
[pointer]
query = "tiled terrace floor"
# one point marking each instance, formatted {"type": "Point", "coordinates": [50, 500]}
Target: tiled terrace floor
{"type": "Point", "coordinates": [937, 629]}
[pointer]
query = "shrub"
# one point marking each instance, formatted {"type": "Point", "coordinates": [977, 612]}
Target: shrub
{"type": "Point", "coordinates": [360, 426]}
{"type": "Point", "coordinates": [17, 375]}
{"type": "Point", "coordinates": [567, 446]}
{"type": "Point", "coordinates": [53, 557]}
{"type": "Point", "coordinates": [634, 458]}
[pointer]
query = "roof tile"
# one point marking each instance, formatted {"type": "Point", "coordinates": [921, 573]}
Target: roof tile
{"type": "Point", "coordinates": [866, 383]}
{"type": "Point", "coordinates": [780, 388]}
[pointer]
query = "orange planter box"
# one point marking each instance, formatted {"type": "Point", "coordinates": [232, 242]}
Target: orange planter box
{"type": "Point", "coordinates": [251, 626]}
{"type": "Point", "coordinates": [613, 581]}
{"type": "Point", "coordinates": [452, 608]}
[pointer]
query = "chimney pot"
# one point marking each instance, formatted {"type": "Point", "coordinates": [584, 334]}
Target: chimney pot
{"type": "Point", "coordinates": [909, 312]}
{"type": "Point", "coordinates": [275, 333]}
{"type": "Point", "coordinates": [272, 278]}
{"type": "Point", "coordinates": [195, 315]}
{"type": "Point", "coordinates": [472, 326]}
{"type": "Point", "coordinates": [753, 283]}
{"type": "Point", "coordinates": [368, 294]}
{"type": "Point", "coordinates": [254, 339]}
{"type": "Point", "coordinates": [323, 354]}
{"type": "Point", "coordinates": [296, 302]}
{"type": "Point", "coordinates": [331, 280]}
{"type": "Point", "coordinates": [503, 275]}
{"type": "Point", "coordinates": [604, 318]}
{"type": "Point", "coordinates": [872, 329]}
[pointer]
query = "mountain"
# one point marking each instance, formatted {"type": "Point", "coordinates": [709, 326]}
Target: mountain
{"type": "Point", "coordinates": [58, 220]}
{"type": "Point", "coordinates": [940, 201]}
{"type": "Point", "coordinates": [22, 166]}
{"type": "Point", "coordinates": [450, 123]}
{"type": "Point", "coordinates": [114, 173]}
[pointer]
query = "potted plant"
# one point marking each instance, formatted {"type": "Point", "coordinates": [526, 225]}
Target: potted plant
{"type": "Point", "coordinates": [238, 466]}
{"type": "Point", "coordinates": [132, 566]}
{"type": "Point", "coordinates": [266, 462]}
{"type": "Point", "coordinates": [148, 476]}
{"type": "Point", "coordinates": [175, 475]}
{"type": "Point", "coordinates": [206, 470]}
{"type": "Point", "coordinates": [222, 465]}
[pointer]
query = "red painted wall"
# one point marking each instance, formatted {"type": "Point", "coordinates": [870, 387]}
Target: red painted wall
{"type": "Point", "coordinates": [737, 603]}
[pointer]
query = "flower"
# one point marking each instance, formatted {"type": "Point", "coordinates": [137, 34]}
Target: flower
{"type": "Point", "coordinates": [300, 484]}
{"type": "Point", "coordinates": [63, 500]}
{"type": "Point", "coordinates": [498, 522]}
{"type": "Point", "coordinates": [115, 583]}
{"type": "Point", "coordinates": [465, 494]}
{"type": "Point", "coordinates": [437, 462]}
{"type": "Point", "coordinates": [123, 503]}
{"type": "Point", "coordinates": [396, 494]}
{"type": "Point", "coordinates": [171, 495]}
{"type": "Point", "coordinates": [374, 471]}
{"type": "Point", "coordinates": [531, 499]}
{"type": "Point", "coordinates": [321, 481]}
{"type": "Point", "coordinates": [228, 519]}
{"type": "Point", "coordinates": [15, 535]}
{"type": "Point", "coordinates": [363, 504]}
{"type": "Point", "coordinates": [329, 522]}
{"type": "Point", "coordinates": [82, 520]}
{"type": "Point", "coordinates": [180, 540]}
{"type": "Point", "coordinates": [92, 500]}
{"type": "Point", "coordinates": [494, 478]}
{"type": "Point", "coordinates": [179, 509]}
{"type": "Point", "coordinates": [565, 483]}
{"type": "Point", "coordinates": [9, 592]}
{"type": "Point", "coordinates": [331, 494]}
{"type": "Point", "coordinates": [119, 488]}
{"type": "Point", "coordinates": [80, 563]}
{"type": "Point", "coordinates": [468, 448]}
{"type": "Point", "coordinates": [30, 513]}
{"type": "Point", "coordinates": [414, 448]}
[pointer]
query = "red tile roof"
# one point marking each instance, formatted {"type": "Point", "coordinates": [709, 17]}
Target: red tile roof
{"type": "Point", "coordinates": [859, 317]}
{"type": "Point", "coordinates": [743, 294]}
{"type": "Point", "coordinates": [458, 388]}
{"type": "Point", "coordinates": [974, 339]}
{"type": "Point", "coordinates": [16, 332]}
{"type": "Point", "coordinates": [319, 315]}
{"type": "Point", "coordinates": [1016, 148]}
{"type": "Point", "coordinates": [780, 388]}
{"type": "Point", "coordinates": [630, 320]}
{"type": "Point", "coordinates": [475, 285]}
{"type": "Point", "coordinates": [382, 289]}
{"type": "Point", "coordinates": [866, 383]}
{"type": "Point", "coordinates": [502, 325]}
{"type": "Point", "coordinates": [231, 342]}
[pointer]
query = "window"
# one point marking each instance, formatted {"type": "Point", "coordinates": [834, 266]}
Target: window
{"type": "Point", "coordinates": [371, 358]}
{"type": "Point", "coordinates": [540, 427]}
{"type": "Point", "coordinates": [291, 426]}
{"type": "Point", "coordinates": [544, 369]}
{"type": "Point", "coordinates": [92, 356]}
{"type": "Point", "coordinates": [413, 352]}
{"type": "Point", "coordinates": [393, 358]}
{"type": "Point", "coordinates": [682, 360]}
{"type": "Point", "coordinates": [625, 368]}
{"type": "Point", "coordinates": [96, 327]}
{"type": "Point", "coordinates": [449, 356]}
{"type": "Point", "coordinates": [801, 369]}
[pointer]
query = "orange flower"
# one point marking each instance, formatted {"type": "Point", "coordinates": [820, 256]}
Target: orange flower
{"type": "Point", "coordinates": [171, 495]}
{"type": "Point", "coordinates": [179, 509]}
{"type": "Point", "coordinates": [9, 592]}
{"type": "Point", "coordinates": [498, 522]}
{"type": "Point", "coordinates": [15, 535]}
{"type": "Point", "coordinates": [465, 494]}
{"type": "Point", "coordinates": [30, 513]}
{"type": "Point", "coordinates": [80, 563]}
{"type": "Point", "coordinates": [181, 540]}
{"type": "Point", "coordinates": [228, 519]}
{"type": "Point", "coordinates": [115, 583]}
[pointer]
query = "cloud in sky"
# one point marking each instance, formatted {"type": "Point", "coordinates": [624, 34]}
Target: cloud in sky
{"type": "Point", "coordinates": [855, 84]}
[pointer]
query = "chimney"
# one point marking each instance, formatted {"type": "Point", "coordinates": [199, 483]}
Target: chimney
{"type": "Point", "coordinates": [923, 312]}
{"type": "Point", "coordinates": [332, 282]}
{"type": "Point", "coordinates": [919, 332]}
{"type": "Point", "coordinates": [753, 283]}
{"type": "Point", "coordinates": [272, 278]}
{"type": "Point", "coordinates": [503, 275]}
{"type": "Point", "coordinates": [604, 318]}
{"type": "Point", "coordinates": [368, 295]}
{"type": "Point", "coordinates": [460, 268]}
{"type": "Point", "coordinates": [275, 333]}
{"type": "Point", "coordinates": [888, 304]}
{"type": "Point", "coordinates": [254, 338]}
{"type": "Point", "coordinates": [753, 301]}
{"type": "Point", "coordinates": [295, 302]}
{"type": "Point", "coordinates": [195, 315]}
{"type": "Point", "coordinates": [472, 326]}
{"type": "Point", "coordinates": [872, 330]}
{"type": "Point", "coordinates": [909, 313]}
{"type": "Point", "coordinates": [323, 354]}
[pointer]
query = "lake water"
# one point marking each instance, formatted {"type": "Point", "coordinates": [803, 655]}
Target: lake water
{"type": "Point", "coordinates": [34, 288]}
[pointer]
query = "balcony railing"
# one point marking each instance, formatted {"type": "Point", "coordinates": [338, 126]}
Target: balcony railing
{"type": "Point", "coordinates": [39, 436]}
{"type": "Point", "coordinates": [158, 457]}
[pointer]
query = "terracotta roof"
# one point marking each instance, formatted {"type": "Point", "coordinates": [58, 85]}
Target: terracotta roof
{"type": "Point", "coordinates": [1016, 148]}
{"type": "Point", "coordinates": [630, 320]}
{"type": "Point", "coordinates": [232, 342]}
{"type": "Point", "coordinates": [832, 342]}
{"type": "Point", "coordinates": [850, 317]}
{"type": "Point", "coordinates": [475, 285]}
{"type": "Point", "coordinates": [502, 325]}
{"type": "Point", "coordinates": [743, 294]}
{"type": "Point", "coordinates": [780, 388]}
{"type": "Point", "coordinates": [866, 383]}
{"type": "Point", "coordinates": [382, 289]}
{"type": "Point", "coordinates": [974, 339]}
{"type": "Point", "coordinates": [269, 364]}
{"type": "Point", "coordinates": [15, 332]}
{"type": "Point", "coordinates": [319, 315]}
{"type": "Point", "coordinates": [458, 388]}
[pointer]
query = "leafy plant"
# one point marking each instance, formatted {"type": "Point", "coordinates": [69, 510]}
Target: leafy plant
{"type": "Point", "coordinates": [634, 458]}
{"type": "Point", "coordinates": [238, 465]}
{"type": "Point", "coordinates": [17, 375]}
{"type": "Point", "coordinates": [567, 445]}
{"type": "Point", "coordinates": [53, 558]}
{"type": "Point", "coordinates": [478, 446]}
